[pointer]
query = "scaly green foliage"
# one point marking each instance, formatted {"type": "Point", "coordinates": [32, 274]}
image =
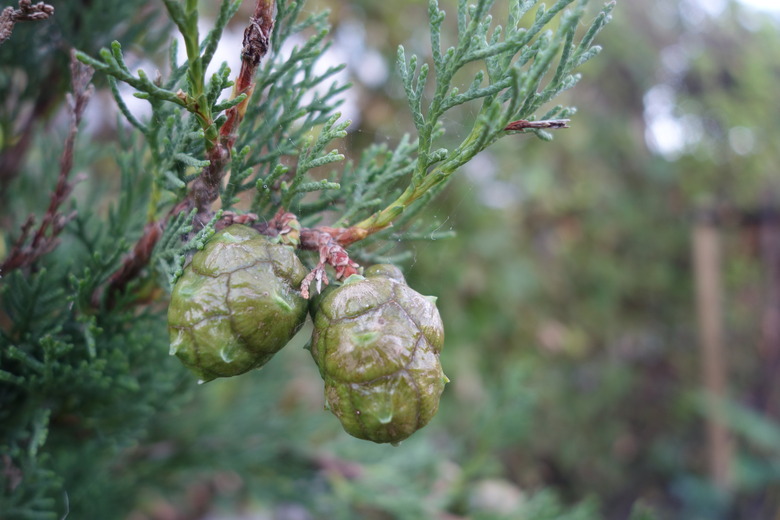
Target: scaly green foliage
{"type": "Point", "coordinates": [84, 367]}
{"type": "Point", "coordinates": [516, 60]}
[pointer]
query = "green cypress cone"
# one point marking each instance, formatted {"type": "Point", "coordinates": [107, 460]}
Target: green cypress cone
{"type": "Point", "coordinates": [236, 305]}
{"type": "Point", "coordinates": [377, 343]}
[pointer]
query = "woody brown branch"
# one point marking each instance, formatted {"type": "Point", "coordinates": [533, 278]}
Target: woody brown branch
{"type": "Point", "coordinates": [330, 242]}
{"type": "Point", "coordinates": [310, 237]}
{"type": "Point", "coordinates": [257, 40]}
{"type": "Point", "coordinates": [327, 241]}
{"type": "Point", "coordinates": [257, 36]}
{"type": "Point", "coordinates": [27, 12]}
{"type": "Point", "coordinates": [12, 156]}
{"type": "Point", "coordinates": [205, 189]}
{"type": "Point", "coordinates": [550, 124]}
{"type": "Point", "coordinates": [46, 237]}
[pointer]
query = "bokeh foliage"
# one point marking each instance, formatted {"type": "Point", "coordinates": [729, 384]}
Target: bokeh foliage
{"type": "Point", "coordinates": [567, 296]}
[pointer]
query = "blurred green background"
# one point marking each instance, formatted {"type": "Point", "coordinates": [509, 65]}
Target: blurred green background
{"type": "Point", "coordinates": [611, 304]}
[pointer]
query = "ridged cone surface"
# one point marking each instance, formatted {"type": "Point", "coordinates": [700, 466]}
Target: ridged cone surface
{"type": "Point", "coordinates": [236, 305]}
{"type": "Point", "coordinates": [377, 343]}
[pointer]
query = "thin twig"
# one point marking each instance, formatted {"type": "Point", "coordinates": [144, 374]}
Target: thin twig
{"type": "Point", "coordinates": [331, 253]}
{"type": "Point", "coordinates": [205, 189]}
{"type": "Point", "coordinates": [550, 124]}
{"type": "Point", "coordinates": [257, 37]}
{"type": "Point", "coordinates": [12, 156]}
{"type": "Point", "coordinates": [257, 40]}
{"type": "Point", "coordinates": [329, 242]}
{"type": "Point", "coordinates": [46, 238]}
{"type": "Point", "coordinates": [27, 12]}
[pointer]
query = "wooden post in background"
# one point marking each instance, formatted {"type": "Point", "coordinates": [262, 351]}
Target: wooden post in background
{"type": "Point", "coordinates": [766, 395]}
{"type": "Point", "coordinates": [709, 310]}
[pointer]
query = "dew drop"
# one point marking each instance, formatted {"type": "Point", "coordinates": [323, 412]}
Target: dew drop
{"type": "Point", "coordinates": [201, 381]}
{"type": "Point", "coordinates": [282, 302]}
{"type": "Point", "coordinates": [226, 355]}
{"type": "Point", "coordinates": [386, 418]}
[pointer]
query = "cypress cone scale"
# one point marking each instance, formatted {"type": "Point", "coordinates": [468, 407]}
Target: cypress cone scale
{"type": "Point", "coordinates": [236, 305]}
{"type": "Point", "coordinates": [376, 342]}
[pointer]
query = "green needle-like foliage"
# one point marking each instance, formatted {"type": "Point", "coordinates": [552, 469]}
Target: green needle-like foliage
{"type": "Point", "coordinates": [515, 70]}
{"type": "Point", "coordinates": [84, 366]}
{"type": "Point", "coordinates": [517, 61]}
{"type": "Point", "coordinates": [290, 101]}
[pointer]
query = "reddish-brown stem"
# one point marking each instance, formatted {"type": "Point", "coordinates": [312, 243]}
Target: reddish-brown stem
{"type": "Point", "coordinates": [342, 236]}
{"type": "Point", "coordinates": [133, 264]}
{"type": "Point", "coordinates": [332, 252]}
{"type": "Point", "coordinates": [46, 238]}
{"type": "Point", "coordinates": [522, 124]}
{"type": "Point", "coordinates": [257, 39]}
{"type": "Point", "coordinates": [329, 242]}
{"type": "Point", "coordinates": [205, 189]}
{"type": "Point", "coordinates": [27, 12]}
